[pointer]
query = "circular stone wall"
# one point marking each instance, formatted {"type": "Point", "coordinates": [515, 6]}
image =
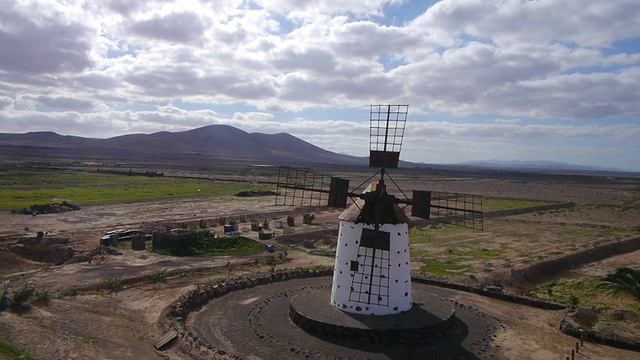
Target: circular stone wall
{"type": "Point", "coordinates": [253, 322]}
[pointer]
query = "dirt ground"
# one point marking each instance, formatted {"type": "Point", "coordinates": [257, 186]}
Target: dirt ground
{"type": "Point", "coordinates": [124, 325]}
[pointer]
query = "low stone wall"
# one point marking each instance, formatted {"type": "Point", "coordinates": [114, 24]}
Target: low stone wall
{"type": "Point", "coordinates": [569, 327]}
{"type": "Point", "coordinates": [543, 270]}
{"type": "Point", "coordinates": [307, 236]}
{"type": "Point", "coordinates": [178, 312]}
{"type": "Point", "coordinates": [495, 294]}
{"type": "Point", "coordinates": [54, 250]}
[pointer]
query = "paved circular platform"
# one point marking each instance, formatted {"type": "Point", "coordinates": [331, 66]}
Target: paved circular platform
{"type": "Point", "coordinates": [254, 324]}
{"type": "Point", "coordinates": [430, 317]}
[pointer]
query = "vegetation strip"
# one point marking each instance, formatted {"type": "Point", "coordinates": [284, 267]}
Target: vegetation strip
{"type": "Point", "coordinates": [20, 188]}
{"type": "Point", "coordinates": [526, 210]}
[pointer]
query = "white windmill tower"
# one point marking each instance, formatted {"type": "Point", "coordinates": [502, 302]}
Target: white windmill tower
{"type": "Point", "coordinates": [371, 273]}
{"type": "Point", "coordinates": [372, 268]}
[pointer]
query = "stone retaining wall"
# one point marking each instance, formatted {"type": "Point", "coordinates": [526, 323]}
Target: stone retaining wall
{"type": "Point", "coordinates": [495, 294]}
{"type": "Point", "coordinates": [543, 270]}
{"type": "Point", "coordinates": [194, 300]}
{"type": "Point", "coordinates": [176, 314]}
{"type": "Point", "coordinates": [569, 327]}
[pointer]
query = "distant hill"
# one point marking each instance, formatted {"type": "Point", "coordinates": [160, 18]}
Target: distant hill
{"type": "Point", "coordinates": [534, 165]}
{"type": "Point", "coordinates": [218, 143]}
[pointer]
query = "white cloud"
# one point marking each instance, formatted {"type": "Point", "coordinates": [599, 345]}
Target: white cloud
{"type": "Point", "coordinates": [183, 27]}
{"type": "Point", "coordinates": [6, 103]}
{"type": "Point", "coordinates": [37, 46]}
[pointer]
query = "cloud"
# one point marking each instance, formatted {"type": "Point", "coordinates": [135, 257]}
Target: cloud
{"type": "Point", "coordinates": [124, 7]}
{"type": "Point", "coordinates": [6, 103]}
{"type": "Point", "coordinates": [57, 102]}
{"type": "Point", "coordinates": [509, 131]}
{"type": "Point", "coordinates": [184, 28]}
{"type": "Point", "coordinates": [46, 47]}
{"type": "Point", "coordinates": [566, 70]}
{"type": "Point", "coordinates": [585, 23]}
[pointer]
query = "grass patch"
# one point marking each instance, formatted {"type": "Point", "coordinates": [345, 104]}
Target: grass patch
{"type": "Point", "coordinates": [112, 284]}
{"type": "Point", "coordinates": [499, 204]}
{"type": "Point", "coordinates": [477, 254]}
{"type": "Point", "coordinates": [10, 353]}
{"type": "Point", "coordinates": [23, 188]}
{"type": "Point", "coordinates": [448, 267]}
{"type": "Point", "coordinates": [210, 246]}
{"type": "Point", "coordinates": [84, 340]}
{"type": "Point", "coordinates": [439, 235]}
{"type": "Point", "coordinates": [23, 295]}
{"type": "Point", "coordinates": [573, 292]}
{"type": "Point", "coordinates": [70, 292]}
{"type": "Point", "coordinates": [43, 297]}
{"type": "Point", "coordinates": [158, 277]}
{"type": "Point", "coordinates": [161, 355]}
{"type": "Point", "coordinates": [193, 273]}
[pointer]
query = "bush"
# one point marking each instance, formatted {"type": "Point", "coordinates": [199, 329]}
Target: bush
{"type": "Point", "coordinates": [112, 284]}
{"type": "Point", "coordinates": [72, 292]}
{"type": "Point", "coordinates": [574, 301]}
{"type": "Point", "coordinates": [4, 299]}
{"type": "Point", "coordinates": [23, 295]}
{"type": "Point", "coordinates": [43, 297]}
{"type": "Point", "coordinates": [202, 244]}
{"type": "Point", "coordinates": [158, 276]}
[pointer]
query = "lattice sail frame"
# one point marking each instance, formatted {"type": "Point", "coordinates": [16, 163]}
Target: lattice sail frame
{"type": "Point", "coordinates": [459, 209]}
{"type": "Point", "coordinates": [386, 131]}
{"type": "Point", "coordinates": [301, 187]}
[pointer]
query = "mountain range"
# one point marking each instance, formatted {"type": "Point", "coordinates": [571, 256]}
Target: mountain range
{"type": "Point", "coordinates": [214, 143]}
{"type": "Point", "coordinates": [534, 165]}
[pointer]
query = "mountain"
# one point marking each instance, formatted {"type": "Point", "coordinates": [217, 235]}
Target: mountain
{"type": "Point", "coordinates": [214, 143]}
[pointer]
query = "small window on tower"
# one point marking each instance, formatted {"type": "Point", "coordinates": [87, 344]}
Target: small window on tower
{"type": "Point", "coordinates": [354, 265]}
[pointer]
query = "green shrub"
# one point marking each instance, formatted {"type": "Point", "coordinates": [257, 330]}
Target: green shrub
{"type": "Point", "coordinates": [112, 284]}
{"type": "Point", "coordinates": [43, 297]}
{"type": "Point", "coordinates": [4, 299]}
{"type": "Point", "coordinates": [71, 292]}
{"type": "Point", "coordinates": [574, 301]}
{"type": "Point", "coordinates": [23, 295]}
{"type": "Point", "coordinates": [202, 244]}
{"type": "Point", "coordinates": [158, 276]}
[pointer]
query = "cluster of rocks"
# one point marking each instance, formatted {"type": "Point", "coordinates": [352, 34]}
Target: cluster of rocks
{"type": "Point", "coordinates": [578, 323]}
{"type": "Point", "coordinates": [49, 249]}
{"type": "Point", "coordinates": [47, 209]}
{"type": "Point", "coordinates": [197, 298]}
{"type": "Point", "coordinates": [256, 193]}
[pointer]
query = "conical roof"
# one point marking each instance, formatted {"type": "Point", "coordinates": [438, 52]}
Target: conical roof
{"type": "Point", "coordinates": [375, 208]}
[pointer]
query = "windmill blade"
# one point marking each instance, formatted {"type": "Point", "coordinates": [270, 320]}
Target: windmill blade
{"type": "Point", "coordinates": [386, 130]}
{"type": "Point", "coordinates": [450, 208]}
{"type": "Point", "coordinates": [301, 187]}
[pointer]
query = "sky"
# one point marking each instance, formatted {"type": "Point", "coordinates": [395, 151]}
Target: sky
{"type": "Point", "coordinates": [484, 80]}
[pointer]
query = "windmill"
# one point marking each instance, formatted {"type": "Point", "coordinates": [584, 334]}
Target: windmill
{"type": "Point", "coordinates": [372, 272]}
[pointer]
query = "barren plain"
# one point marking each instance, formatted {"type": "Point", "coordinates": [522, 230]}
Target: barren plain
{"type": "Point", "coordinates": [97, 323]}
